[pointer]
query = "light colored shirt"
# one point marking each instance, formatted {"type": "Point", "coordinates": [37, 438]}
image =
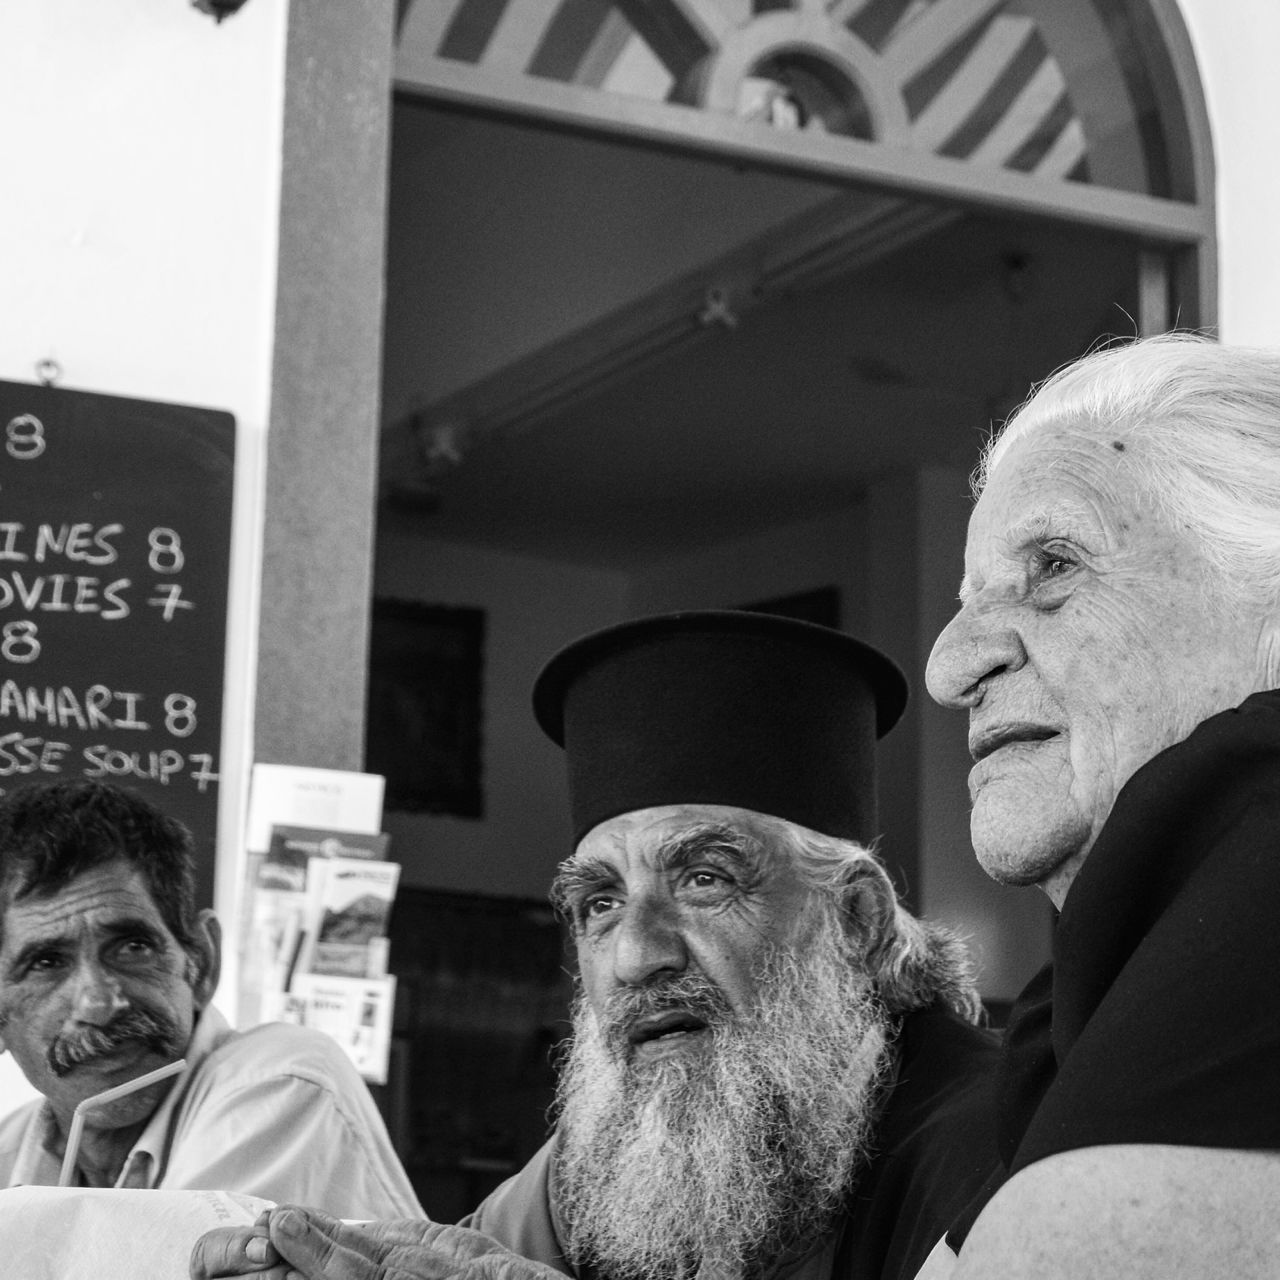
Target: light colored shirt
{"type": "Point", "coordinates": [277, 1112]}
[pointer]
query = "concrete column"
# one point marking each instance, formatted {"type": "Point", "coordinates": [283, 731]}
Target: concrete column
{"type": "Point", "coordinates": [322, 445]}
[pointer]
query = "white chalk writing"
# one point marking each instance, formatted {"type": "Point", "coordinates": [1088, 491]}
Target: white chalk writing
{"type": "Point", "coordinates": [61, 707]}
{"type": "Point", "coordinates": [81, 543]}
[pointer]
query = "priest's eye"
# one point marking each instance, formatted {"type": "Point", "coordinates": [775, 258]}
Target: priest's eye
{"type": "Point", "coordinates": [703, 879]}
{"type": "Point", "coordinates": [597, 905]}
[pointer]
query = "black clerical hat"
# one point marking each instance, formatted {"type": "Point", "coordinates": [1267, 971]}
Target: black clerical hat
{"type": "Point", "coordinates": [722, 707]}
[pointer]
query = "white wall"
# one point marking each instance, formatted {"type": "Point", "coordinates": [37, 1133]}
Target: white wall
{"type": "Point", "coordinates": [532, 608]}
{"type": "Point", "coordinates": [141, 147]}
{"type": "Point", "coordinates": [1236, 45]}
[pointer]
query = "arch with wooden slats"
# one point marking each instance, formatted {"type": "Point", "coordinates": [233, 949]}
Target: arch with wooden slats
{"type": "Point", "coordinates": [1047, 88]}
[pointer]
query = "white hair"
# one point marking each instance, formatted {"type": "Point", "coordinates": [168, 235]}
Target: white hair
{"type": "Point", "coordinates": [911, 962]}
{"type": "Point", "coordinates": [1206, 420]}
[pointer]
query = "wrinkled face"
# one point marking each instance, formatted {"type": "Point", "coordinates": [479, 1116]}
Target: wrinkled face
{"type": "Point", "coordinates": [662, 893]}
{"type": "Point", "coordinates": [1091, 636]}
{"type": "Point", "coordinates": [727, 1054]}
{"type": "Point", "coordinates": [95, 990]}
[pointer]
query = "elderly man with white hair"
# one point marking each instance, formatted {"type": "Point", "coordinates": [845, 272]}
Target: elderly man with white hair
{"type": "Point", "coordinates": [1117, 651]}
{"type": "Point", "coordinates": [775, 1071]}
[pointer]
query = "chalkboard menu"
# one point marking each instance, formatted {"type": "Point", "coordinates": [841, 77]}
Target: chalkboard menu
{"type": "Point", "coordinates": [115, 540]}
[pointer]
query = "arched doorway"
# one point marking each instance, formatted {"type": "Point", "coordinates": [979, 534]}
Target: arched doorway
{"type": "Point", "coordinates": [704, 303]}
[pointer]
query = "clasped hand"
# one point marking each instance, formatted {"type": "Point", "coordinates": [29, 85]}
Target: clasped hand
{"type": "Point", "coordinates": [292, 1243]}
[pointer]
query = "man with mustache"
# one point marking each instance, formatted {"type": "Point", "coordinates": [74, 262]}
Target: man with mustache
{"type": "Point", "coordinates": [774, 1070]}
{"type": "Point", "coordinates": [106, 973]}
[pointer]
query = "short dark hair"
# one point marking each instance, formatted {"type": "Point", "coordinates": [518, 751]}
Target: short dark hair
{"type": "Point", "coordinates": [52, 832]}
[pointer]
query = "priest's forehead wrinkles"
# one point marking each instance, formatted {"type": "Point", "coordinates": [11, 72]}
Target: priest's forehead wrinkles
{"type": "Point", "coordinates": [675, 849]}
{"type": "Point", "coordinates": [691, 843]}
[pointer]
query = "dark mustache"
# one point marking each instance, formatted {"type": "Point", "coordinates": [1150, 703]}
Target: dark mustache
{"type": "Point", "coordinates": [692, 993]}
{"type": "Point", "coordinates": [151, 1027]}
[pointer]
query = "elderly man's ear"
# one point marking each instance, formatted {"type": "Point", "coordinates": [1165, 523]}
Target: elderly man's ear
{"type": "Point", "coordinates": [891, 941]}
{"type": "Point", "coordinates": [871, 909]}
{"type": "Point", "coordinates": [912, 962]}
{"type": "Point", "coordinates": [205, 956]}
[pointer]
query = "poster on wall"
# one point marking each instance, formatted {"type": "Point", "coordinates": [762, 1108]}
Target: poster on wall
{"type": "Point", "coordinates": [115, 543]}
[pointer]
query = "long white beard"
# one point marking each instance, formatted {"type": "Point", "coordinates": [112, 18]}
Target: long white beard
{"type": "Point", "coordinates": [724, 1157]}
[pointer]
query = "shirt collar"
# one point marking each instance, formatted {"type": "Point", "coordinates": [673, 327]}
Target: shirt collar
{"type": "Point", "coordinates": [145, 1161]}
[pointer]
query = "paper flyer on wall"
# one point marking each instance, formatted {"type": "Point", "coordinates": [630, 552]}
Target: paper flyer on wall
{"type": "Point", "coordinates": [356, 1012]}
{"type": "Point", "coordinates": [348, 905]}
{"type": "Point", "coordinates": [292, 846]}
{"type": "Point", "coordinates": [281, 877]}
{"type": "Point", "coordinates": [295, 813]}
{"type": "Point", "coordinates": [299, 796]}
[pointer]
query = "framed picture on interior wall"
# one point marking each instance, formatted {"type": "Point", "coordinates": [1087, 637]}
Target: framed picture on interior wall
{"type": "Point", "coordinates": [426, 686]}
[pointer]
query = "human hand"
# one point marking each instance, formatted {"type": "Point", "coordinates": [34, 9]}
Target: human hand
{"type": "Point", "coordinates": [314, 1246]}
{"type": "Point", "coordinates": [237, 1251]}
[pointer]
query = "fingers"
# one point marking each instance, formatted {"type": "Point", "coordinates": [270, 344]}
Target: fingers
{"type": "Point", "coordinates": [459, 1244]}
{"type": "Point", "coordinates": [233, 1251]}
{"type": "Point", "coordinates": [502, 1265]}
{"type": "Point", "coordinates": [320, 1247]}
